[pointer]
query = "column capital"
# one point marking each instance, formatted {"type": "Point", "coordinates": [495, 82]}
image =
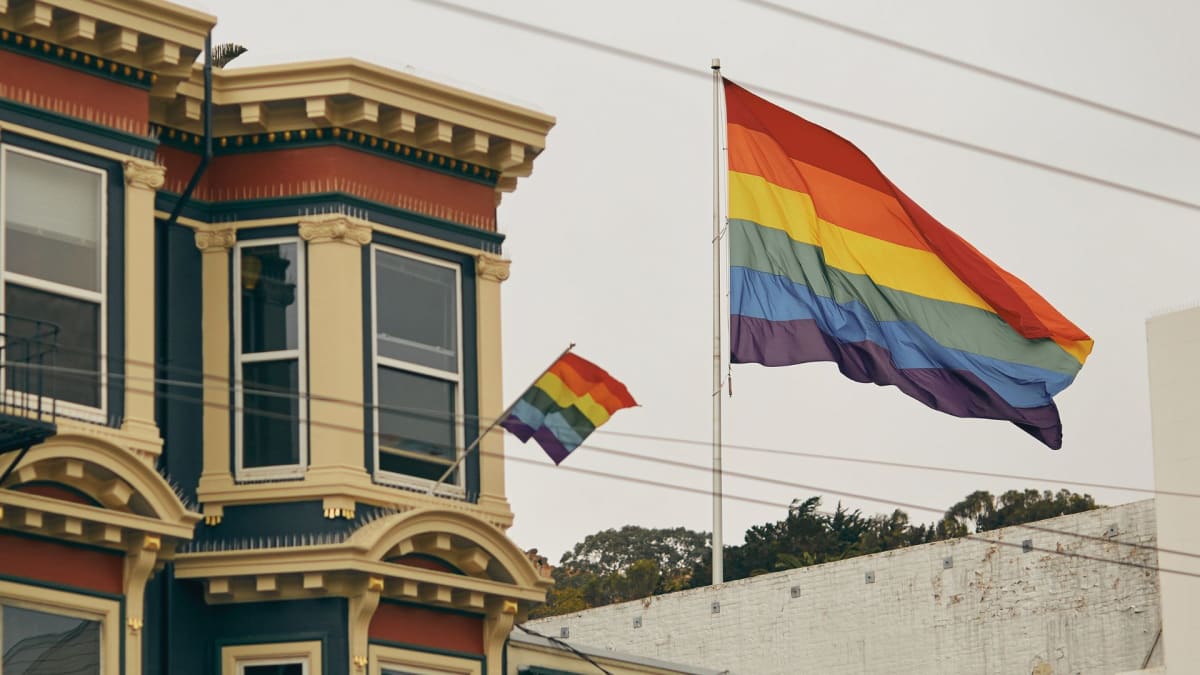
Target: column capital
{"type": "Point", "coordinates": [144, 175]}
{"type": "Point", "coordinates": [491, 267]}
{"type": "Point", "coordinates": [216, 241]}
{"type": "Point", "coordinates": [339, 229]}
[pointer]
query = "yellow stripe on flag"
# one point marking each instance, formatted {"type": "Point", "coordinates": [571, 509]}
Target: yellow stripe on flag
{"type": "Point", "coordinates": [755, 199]}
{"type": "Point", "coordinates": [562, 395]}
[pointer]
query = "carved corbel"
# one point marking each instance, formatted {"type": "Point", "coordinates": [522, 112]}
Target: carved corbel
{"type": "Point", "coordinates": [339, 229]}
{"type": "Point", "coordinates": [139, 566]}
{"type": "Point", "coordinates": [497, 624]}
{"type": "Point", "coordinates": [144, 175]}
{"type": "Point", "coordinates": [215, 241]}
{"type": "Point", "coordinates": [362, 608]}
{"type": "Point", "coordinates": [491, 267]}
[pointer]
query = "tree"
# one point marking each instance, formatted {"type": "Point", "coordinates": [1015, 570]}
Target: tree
{"type": "Point", "coordinates": [1016, 507]}
{"type": "Point", "coordinates": [635, 562]}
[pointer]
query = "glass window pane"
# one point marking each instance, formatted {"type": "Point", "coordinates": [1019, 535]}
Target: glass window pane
{"type": "Point", "coordinates": [40, 643]}
{"type": "Point", "coordinates": [416, 415]}
{"type": "Point", "coordinates": [296, 668]}
{"type": "Point", "coordinates": [271, 416]}
{"type": "Point", "coordinates": [53, 213]}
{"type": "Point", "coordinates": [269, 302]}
{"type": "Point", "coordinates": [416, 309]}
{"type": "Point", "coordinates": [78, 349]}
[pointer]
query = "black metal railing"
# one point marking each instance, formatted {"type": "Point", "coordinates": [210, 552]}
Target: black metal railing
{"type": "Point", "coordinates": [28, 408]}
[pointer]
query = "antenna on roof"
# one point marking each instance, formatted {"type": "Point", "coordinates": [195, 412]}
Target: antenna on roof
{"type": "Point", "coordinates": [223, 53]}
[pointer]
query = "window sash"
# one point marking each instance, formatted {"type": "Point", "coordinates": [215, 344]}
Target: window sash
{"type": "Point", "coordinates": [298, 354]}
{"type": "Point", "coordinates": [455, 482]}
{"type": "Point", "coordinates": [64, 408]}
{"type": "Point", "coordinates": [73, 605]}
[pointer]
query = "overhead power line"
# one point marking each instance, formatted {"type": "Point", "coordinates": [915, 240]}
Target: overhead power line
{"type": "Point", "coordinates": [482, 420]}
{"type": "Point", "coordinates": [974, 68]}
{"type": "Point", "coordinates": [812, 103]}
{"type": "Point", "coordinates": [883, 500]}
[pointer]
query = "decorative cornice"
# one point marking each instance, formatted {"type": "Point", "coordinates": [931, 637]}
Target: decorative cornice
{"type": "Point", "coordinates": [378, 145]}
{"type": "Point", "coordinates": [77, 60]}
{"type": "Point", "coordinates": [491, 268]}
{"type": "Point", "coordinates": [144, 175]}
{"type": "Point", "coordinates": [216, 241]}
{"type": "Point", "coordinates": [335, 229]}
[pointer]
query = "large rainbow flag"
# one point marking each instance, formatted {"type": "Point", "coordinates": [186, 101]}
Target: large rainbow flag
{"type": "Point", "coordinates": [565, 405]}
{"type": "Point", "coordinates": [829, 261]}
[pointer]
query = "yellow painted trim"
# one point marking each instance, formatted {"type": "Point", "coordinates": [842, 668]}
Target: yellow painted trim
{"type": "Point", "coordinates": [399, 233]}
{"type": "Point", "coordinates": [67, 142]}
{"type": "Point", "coordinates": [134, 471]}
{"type": "Point", "coordinates": [420, 663]}
{"type": "Point", "coordinates": [329, 483]}
{"type": "Point", "coordinates": [155, 18]}
{"type": "Point", "coordinates": [107, 612]}
{"type": "Point", "coordinates": [234, 655]}
{"type": "Point", "coordinates": [383, 535]}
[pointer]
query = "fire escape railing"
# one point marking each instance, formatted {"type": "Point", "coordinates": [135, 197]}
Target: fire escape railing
{"type": "Point", "coordinates": [28, 408]}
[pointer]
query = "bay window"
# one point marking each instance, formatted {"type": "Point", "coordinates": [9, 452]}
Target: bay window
{"type": "Point", "coordinates": [52, 232]}
{"type": "Point", "coordinates": [417, 363]}
{"type": "Point", "coordinates": [269, 348]}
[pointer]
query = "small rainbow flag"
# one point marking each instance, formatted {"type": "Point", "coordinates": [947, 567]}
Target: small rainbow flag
{"type": "Point", "coordinates": [565, 405]}
{"type": "Point", "coordinates": [829, 261]}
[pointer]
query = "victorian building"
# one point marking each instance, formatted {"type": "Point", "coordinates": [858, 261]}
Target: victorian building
{"type": "Point", "coordinates": [249, 317]}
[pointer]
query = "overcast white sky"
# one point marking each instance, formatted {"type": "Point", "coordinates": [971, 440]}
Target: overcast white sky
{"type": "Point", "coordinates": [610, 237]}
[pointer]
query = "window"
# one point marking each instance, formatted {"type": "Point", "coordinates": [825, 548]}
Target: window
{"type": "Point", "coordinates": [53, 236]}
{"type": "Point", "coordinates": [270, 368]}
{"type": "Point", "coordinates": [418, 365]}
{"type": "Point", "coordinates": [273, 667]}
{"type": "Point", "coordinates": [279, 658]}
{"type": "Point", "coordinates": [50, 632]}
{"type": "Point", "coordinates": [396, 661]}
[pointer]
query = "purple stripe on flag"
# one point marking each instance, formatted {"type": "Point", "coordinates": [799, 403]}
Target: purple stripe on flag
{"type": "Point", "coordinates": [956, 392]}
{"type": "Point", "coordinates": [551, 445]}
{"type": "Point", "coordinates": [543, 435]}
{"type": "Point", "coordinates": [517, 427]}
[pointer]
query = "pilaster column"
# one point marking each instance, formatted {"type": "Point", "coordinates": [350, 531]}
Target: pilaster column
{"type": "Point", "coordinates": [214, 276]}
{"type": "Point", "coordinates": [142, 180]}
{"type": "Point", "coordinates": [490, 272]}
{"type": "Point", "coordinates": [335, 353]}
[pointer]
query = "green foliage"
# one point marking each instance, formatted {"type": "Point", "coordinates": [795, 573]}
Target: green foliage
{"type": "Point", "coordinates": [636, 562]}
{"type": "Point", "coordinates": [1016, 507]}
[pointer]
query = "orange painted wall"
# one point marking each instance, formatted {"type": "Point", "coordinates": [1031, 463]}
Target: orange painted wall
{"type": "Point", "coordinates": [329, 168]}
{"type": "Point", "coordinates": [74, 93]}
{"type": "Point", "coordinates": [58, 563]}
{"type": "Point", "coordinates": [427, 627]}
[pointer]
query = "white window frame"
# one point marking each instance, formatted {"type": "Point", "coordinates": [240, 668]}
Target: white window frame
{"type": "Point", "coordinates": [235, 658]}
{"type": "Point", "coordinates": [300, 354]}
{"type": "Point", "coordinates": [64, 408]}
{"type": "Point", "coordinates": [455, 483]}
{"type": "Point", "coordinates": [91, 608]}
{"type": "Point", "coordinates": [419, 662]}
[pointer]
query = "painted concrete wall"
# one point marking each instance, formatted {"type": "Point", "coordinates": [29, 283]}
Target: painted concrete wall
{"type": "Point", "coordinates": [997, 609]}
{"type": "Point", "coordinates": [1174, 353]}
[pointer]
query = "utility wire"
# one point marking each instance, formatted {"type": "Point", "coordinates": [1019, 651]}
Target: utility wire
{"type": "Point", "coordinates": [350, 429]}
{"type": "Point", "coordinates": [775, 93]}
{"type": "Point", "coordinates": [482, 420]}
{"type": "Point", "coordinates": [973, 68]}
{"type": "Point", "coordinates": [565, 645]}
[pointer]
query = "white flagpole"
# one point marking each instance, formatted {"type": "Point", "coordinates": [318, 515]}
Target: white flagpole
{"type": "Point", "coordinates": [718, 550]}
{"type": "Point", "coordinates": [495, 423]}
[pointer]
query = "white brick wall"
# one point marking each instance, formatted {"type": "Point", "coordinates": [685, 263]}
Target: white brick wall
{"type": "Point", "coordinates": [997, 610]}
